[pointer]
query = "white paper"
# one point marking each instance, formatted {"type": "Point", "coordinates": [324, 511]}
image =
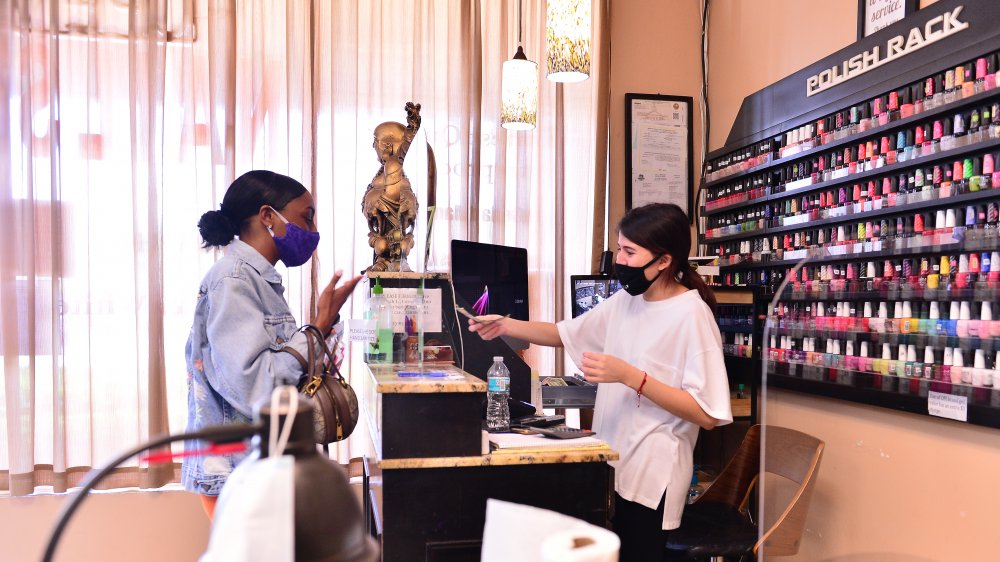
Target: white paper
{"type": "Point", "coordinates": [659, 152]}
{"type": "Point", "coordinates": [399, 299]}
{"type": "Point", "coordinates": [542, 535]}
{"type": "Point", "coordinates": [948, 406]}
{"type": "Point", "coordinates": [362, 331]}
{"type": "Point", "coordinates": [520, 441]}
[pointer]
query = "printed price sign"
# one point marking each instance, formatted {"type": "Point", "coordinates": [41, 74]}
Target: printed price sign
{"type": "Point", "coordinates": [948, 406]}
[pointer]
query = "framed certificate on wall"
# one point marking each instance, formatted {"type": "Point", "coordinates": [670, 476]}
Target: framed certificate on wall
{"type": "Point", "coordinates": [658, 150]}
{"type": "Point", "coordinates": [873, 15]}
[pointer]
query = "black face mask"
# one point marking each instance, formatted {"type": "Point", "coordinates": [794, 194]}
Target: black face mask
{"type": "Point", "coordinates": [633, 279]}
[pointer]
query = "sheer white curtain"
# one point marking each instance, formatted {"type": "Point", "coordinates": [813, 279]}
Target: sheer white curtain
{"type": "Point", "coordinates": [129, 120]}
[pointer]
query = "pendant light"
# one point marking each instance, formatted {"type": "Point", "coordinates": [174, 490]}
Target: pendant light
{"type": "Point", "coordinates": [567, 40]}
{"type": "Point", "coordinates": [519, 88]}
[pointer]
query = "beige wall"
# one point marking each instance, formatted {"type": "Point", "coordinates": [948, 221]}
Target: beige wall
{"type": "Point", "coordinates": [149, 526]}
{"type": "Point", "coordinates": [655, 49]}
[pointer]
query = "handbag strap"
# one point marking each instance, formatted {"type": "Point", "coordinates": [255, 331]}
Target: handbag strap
{"type": "Point", "coordinates": [326, 359]}
{"type": "Point", "coordinates": [311, 367]}
{"type": "Point", "coordinates": [326, 355]}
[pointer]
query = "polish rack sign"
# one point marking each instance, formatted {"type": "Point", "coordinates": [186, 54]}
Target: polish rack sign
{"type": "Point", "coordinates": [936, 29]}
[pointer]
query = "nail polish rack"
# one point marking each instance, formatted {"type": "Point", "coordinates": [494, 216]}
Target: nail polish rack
{"type": "Point", "coordinates": [741, 319]}
{"type": "Point", "coordinates": [889, 187]}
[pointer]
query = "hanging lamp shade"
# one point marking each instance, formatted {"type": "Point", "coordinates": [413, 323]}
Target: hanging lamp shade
{"type": "Point", "coordinates": [519, 93]}
{"type": "Point", "coordinates": [567, 40]}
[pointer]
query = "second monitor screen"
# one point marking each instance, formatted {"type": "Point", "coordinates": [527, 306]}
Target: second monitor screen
{"type": "Point", "coordinates": [490, 279]}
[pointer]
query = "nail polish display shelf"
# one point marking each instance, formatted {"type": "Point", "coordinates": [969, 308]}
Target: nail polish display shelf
{"type": "Point", "coordinates": [850, 215]}
{"type": "Point", "coordinates": [892, 126]}
{"type": "Point", "coordinates": [899, 393]}
{"type": "Point", "coordinates": [861, 252]}
{"type": "Point", "coordinates": [989, 344]}
{"type": "Point", "coordinates": [776, 129]}
{"type": "Point", "coordinates": [892, 291]}
{"type": "Point", "coordinates": [960, 149]}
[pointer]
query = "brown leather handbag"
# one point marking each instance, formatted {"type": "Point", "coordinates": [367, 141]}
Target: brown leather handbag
{"type": "Point", "coordinates": [335, 402]}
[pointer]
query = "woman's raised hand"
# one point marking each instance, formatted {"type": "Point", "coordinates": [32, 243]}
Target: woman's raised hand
{"type": "Point", "coordinates": [333, 298]}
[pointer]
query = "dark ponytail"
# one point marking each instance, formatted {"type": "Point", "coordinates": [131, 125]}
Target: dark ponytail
{"type": "Point", "coordinates": [243, 200]}
{"type": "Point", "coordinates": [663, 229]}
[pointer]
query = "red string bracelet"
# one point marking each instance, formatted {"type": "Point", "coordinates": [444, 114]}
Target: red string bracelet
{"type": "Point", "coordinates": [638, 391]}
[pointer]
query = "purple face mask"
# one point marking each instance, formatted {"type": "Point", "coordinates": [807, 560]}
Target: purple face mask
{"type": "Point", "coordinates": [297, 245]}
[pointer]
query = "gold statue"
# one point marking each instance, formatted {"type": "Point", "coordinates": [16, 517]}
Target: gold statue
{"type": "Point", "coordinates": [389, 205]}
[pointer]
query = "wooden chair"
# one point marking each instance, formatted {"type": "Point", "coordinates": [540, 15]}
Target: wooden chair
{"type": "Point", "coordinates": [718, 525]}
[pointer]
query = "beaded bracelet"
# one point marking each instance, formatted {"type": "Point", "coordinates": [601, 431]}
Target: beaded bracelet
{"type": "Point", "coordinates": [638, 391]}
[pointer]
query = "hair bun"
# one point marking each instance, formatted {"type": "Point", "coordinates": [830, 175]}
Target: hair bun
{"type": "Point", "coordinates": [216, 229]}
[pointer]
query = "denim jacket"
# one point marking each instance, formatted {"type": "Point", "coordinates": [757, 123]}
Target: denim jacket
{"type": "Point", "coordinates": [241, 322]}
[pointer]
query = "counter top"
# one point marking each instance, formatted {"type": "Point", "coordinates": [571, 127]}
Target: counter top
{"type": "Point", "coordinates": [388, 381]}
{"type": "Point", "coordinates": [551, 456]}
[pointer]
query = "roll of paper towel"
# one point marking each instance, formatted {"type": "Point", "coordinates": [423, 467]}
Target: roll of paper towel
{"type": "Point", "coordinates": [581, 545]}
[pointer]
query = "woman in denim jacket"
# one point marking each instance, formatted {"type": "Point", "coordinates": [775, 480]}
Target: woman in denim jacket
{"type": "Point", "coordinates": [242, 320]}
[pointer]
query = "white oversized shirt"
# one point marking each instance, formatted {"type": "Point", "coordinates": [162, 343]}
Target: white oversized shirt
{"type": "Point", "coordinates": [677, 342]}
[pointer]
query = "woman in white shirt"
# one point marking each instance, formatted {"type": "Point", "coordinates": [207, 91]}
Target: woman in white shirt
{"type": "Point", "coordinates": [656, 352]}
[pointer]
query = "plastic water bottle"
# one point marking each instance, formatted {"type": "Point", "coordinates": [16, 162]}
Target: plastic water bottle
{"type": "Point", "coordinates": [380, 310]}
{"type": "Point", "coordinates": [497, 409]}
{"type": "Point", "coordinates": [694, 492]}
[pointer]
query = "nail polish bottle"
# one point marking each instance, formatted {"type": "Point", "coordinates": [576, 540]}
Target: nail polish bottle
{"type": "Point", "coordinates": [953, 316]}
{"type": "Point", "coordinates": [864, 361]}
{"type": "Point", "coordinates": [969, 85]}
{"type": "Point", "coordinates": [929, 363]}
{"type": "Point", "coordinates": [962, 279]}
{"type": "Point", "coordinates": [906, 321]}
{"type": "Point", "coordinates": [851, 360]}
{"type": "Point", "coordinates": [898, 367]}
{"type": "Point", "coordinates": [929, 91]}
{"type": "Point", "coordinates": [976, 324]}
{"type": "Point", "coordinates": [917, 95]}
{"type": "Point", "coordinates": [895, 324]}
{"type": "Point", "coordinates": [913, 368]}
{"type": "Point", "coordinates": [986, 181]}
{"type": "Point", "coordinates": [945, 189]}
{"type": "Point", "coordinates": [946, 365]}
{"type": "Point", "coordinates": [947, 140]}
{"type": "Point", "coordinates": [959, 183]}
{"type": "Point", "coordinates": [976, 171]}
{"type": "Point", "coordinates": [885, 366]}
{"type": "Point", "coordinates": [950, 220]}
{"type": "Point", "coordinates": [990, 79]}
{"type": "Point", "coordinates": [979, 372]}
{"type": "Point", "coordinates": [929, 326]}
{"type": "Point", "coordinates": [958, 372]}
{"type": "Point", "coordinates": [941, 324]}
{"type": "Point", "coordinates": [965, 314]}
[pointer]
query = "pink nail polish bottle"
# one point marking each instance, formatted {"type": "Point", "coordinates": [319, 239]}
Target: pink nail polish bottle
{"type": "Point", "coordinates": [850, 359]}
{"type": "Point", "coordinates": [979, 372]}
{"type": "Point", "coordinates": [946, 365]}
{"type": "Point", "coordinates": [957, 367]}
{"type": "Point", "coordinates": [964, 315]}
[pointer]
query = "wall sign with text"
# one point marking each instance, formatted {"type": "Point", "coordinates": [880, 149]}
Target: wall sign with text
{"type": "Point", "coordinates": [658, 150]}
{"type": "Point", "coordinates": [873, 15]}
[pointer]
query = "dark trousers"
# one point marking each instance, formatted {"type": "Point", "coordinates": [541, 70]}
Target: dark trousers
{"type": "Point", "coordinates": [640, 530]}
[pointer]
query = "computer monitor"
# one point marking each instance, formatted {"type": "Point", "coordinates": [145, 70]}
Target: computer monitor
{"type": "Point", "coordinates": [490, 279]}
{"type": "Point", "coordinates": [590, 290]}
